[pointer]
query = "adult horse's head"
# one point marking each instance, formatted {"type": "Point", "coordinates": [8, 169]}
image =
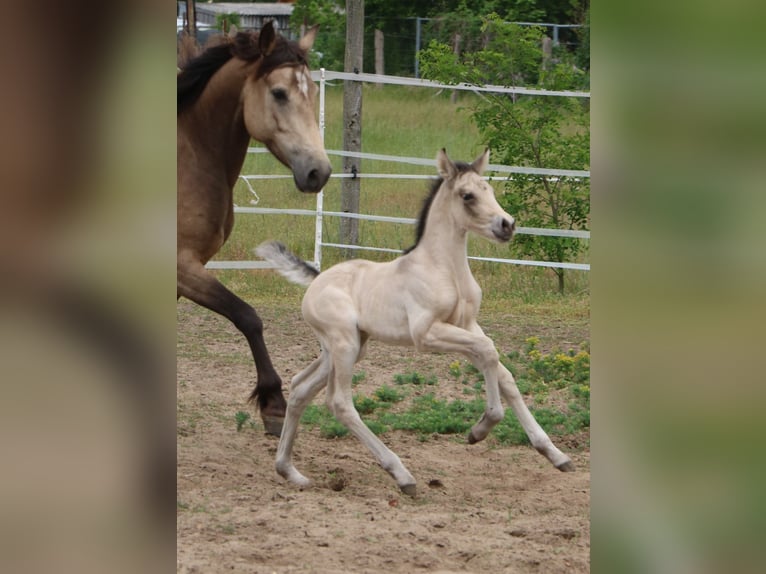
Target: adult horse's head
{"type": "Point", "coordinates": [472, 200]}
{"type": "Point", "coordinates": [278, 101]}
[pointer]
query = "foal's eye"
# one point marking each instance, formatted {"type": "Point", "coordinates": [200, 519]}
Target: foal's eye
{"type": "Point", "coordinates": [468, 196]}
{"type": "Point", "coordinates": [279, 94]}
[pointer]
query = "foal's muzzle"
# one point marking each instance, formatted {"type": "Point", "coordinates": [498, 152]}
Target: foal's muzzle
{"type": "Point", "coordinates": [503, 228]}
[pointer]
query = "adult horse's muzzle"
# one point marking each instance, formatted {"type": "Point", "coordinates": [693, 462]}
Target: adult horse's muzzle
{"type": "Point", "coordinates": [311, 173]}
{"type": "Point", "coordinates": [503, 228]}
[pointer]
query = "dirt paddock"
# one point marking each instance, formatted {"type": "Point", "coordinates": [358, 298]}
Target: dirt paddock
{"type": "Point", "coordinates": [479, 508]}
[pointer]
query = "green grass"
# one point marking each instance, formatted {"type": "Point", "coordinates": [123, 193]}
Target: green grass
{"type": "Point", "coordinates": [557, 382]}
{"type": "Point", "coordinates": [401, 121]}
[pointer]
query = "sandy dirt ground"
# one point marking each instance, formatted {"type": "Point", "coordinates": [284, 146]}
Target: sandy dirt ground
{"type": "Point", "coordinates": [479, 508]}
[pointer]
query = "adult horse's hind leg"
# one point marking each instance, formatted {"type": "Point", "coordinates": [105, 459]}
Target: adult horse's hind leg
{"type": "Point", "coordinates": [197, 284]}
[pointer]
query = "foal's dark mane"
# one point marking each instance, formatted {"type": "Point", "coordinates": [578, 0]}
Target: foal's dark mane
{"type": "Point", "coordinates": [436, 185]}
{"type": "Point", "coordinates": [244, 45]}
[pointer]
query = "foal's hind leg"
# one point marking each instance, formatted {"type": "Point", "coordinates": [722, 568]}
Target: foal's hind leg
{"type": "Point", "coordinates": [198, 284]}
{"type": "Point", "coordinates": [537, 436]}
{"type": "Point", "coordinates": [345, 354]}
{"type": "Point", "coordinates": [304, 387]}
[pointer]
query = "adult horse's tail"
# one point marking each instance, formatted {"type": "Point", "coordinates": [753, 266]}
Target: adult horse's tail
{"type": "Point", "coordinates": [289, 265]}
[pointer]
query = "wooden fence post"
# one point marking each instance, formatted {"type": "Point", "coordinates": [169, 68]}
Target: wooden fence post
{"type": "Point", "coordinates": [456, 50]}
{"type": "Point", "coordinates": [352, 123]}
{"type": "Point", "coordinates": [191, 18]}
{"type": "Point", "coordinates": [379, 61]}
{"type": "Point", "coordinates": [547, 52]}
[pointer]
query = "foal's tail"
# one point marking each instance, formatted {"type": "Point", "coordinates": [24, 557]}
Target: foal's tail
{"type": "Point", "coordinates": [289, 265]}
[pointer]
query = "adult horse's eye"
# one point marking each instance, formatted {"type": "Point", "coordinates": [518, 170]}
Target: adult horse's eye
{"type": "Point", "coordinates": [279, 94]}
{"type": "Point", "coordinates": [467, 196]}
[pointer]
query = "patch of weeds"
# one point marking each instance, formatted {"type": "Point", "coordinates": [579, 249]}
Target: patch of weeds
{"type": "Point", "coordinates": [415, 378]}
{"type": "Point", "coordinates": [241, 417]}
{"type": "Point", "coordinates": [513, 355]}
{"type": "Point", "coordinates": [454, 369]}
{"type": "Point", "coordinates": [376, 426]}
{"type": "Point", "coordinates": [553, 422]}
{"type": "Point", "coordinates": [332, 429]}
{"type": "Point", "coordinates": [470, 369]}
{"type": "Point", "coordinates": [320, 416]}
{"type": "Point", "coordinates": [429, 415]}
{"type": "Point", "coordinates": [365, 405]}
{"type": "Point", "coordinates": [181, 505]}
{"type": "Point", "coordinates": [524, 386]}
{"type": "Point", "coordinates": [357, 378]}
{"type": "Point", "coordinates": [228, 529]}
{"type": "Point", "coordinates": [386, 394]}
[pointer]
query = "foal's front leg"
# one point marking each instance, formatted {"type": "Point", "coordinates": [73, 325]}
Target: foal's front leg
{"type": "Point", "coordinates": [506, 385]}
{"type": "Point", "coordinates": [480, 350]}
{"type": "Point", "coordinates": [537, 436]}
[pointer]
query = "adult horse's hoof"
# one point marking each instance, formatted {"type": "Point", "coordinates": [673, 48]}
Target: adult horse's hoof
{"type": "Point", "coordinates": [272, 424]}
{"type": "Point", "coordinates": [567, 466]}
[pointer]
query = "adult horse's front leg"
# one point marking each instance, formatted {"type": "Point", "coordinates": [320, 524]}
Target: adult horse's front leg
{"type": "Point", "coordinates": [197, 284]}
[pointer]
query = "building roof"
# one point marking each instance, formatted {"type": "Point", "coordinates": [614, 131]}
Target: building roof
{"type": "Point", "coordinates": [253, 9]}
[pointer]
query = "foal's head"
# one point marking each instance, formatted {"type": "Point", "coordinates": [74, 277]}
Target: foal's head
{"type": "Point", "coordinates": [471, 200]}
{"type": "Point", "coordinates": [278, 101]}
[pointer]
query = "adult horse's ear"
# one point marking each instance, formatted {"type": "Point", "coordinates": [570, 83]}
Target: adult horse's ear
{"type": "Point", "coordinates": [481, 162]}
{"type": "Point", "coordinates": [267, 39]}
{"type": "Point", "coordinates": [444, 165]}
{"type": "Point", "coordinates": [307, 41]}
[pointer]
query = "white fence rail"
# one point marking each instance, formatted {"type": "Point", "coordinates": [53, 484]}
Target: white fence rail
{"type": "Point", "coordinates": [322, 76]}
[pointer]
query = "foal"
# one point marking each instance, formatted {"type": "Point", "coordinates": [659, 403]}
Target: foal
{"type": "Point", "coordinates": [426, 298]}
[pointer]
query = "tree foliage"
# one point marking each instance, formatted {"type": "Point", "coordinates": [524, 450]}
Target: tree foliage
{"type": "Point", "coordinates": [444, 19]}
{"type": "Point", "coordinates": [329, 47]}
{"type": "Point", "coordinates": [224, 22]}
{"type": "Point", "coordinates": [534, 131]}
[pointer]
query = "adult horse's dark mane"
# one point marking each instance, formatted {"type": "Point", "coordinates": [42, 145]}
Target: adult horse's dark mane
{"type": "Point", "coordinates": [244, 45]}
{"type": "Point", "coordinates": [462, 167]}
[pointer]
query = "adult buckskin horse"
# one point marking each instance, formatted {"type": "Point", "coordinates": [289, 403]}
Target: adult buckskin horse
{"type": "Point", "coordinates": [251, 85]}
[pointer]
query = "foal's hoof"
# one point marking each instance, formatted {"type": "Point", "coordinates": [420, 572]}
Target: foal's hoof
{"type": "Point", "coordinates": [567, 466]}
{"type": "Point", "coordinates": [472, 438]}
{"type": "Point", "coordinates": [272, 424]}
{"type": "Point", "coordinates": [409, 489]}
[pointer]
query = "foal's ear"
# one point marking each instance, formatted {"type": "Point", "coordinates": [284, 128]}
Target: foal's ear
{"type": "Point", "coordinates": [307, 41]}
{"type": "Point", "coordinates": [444, 165]}
{"type": "Point", "coordinates": [481, 162]}
{"type": "Point", "coordinates": [267, 39]}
